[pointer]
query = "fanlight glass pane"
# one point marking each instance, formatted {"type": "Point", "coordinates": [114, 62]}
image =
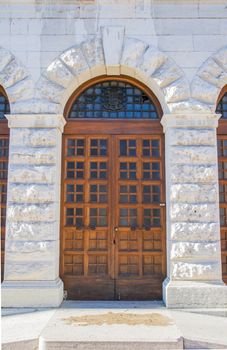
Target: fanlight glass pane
{"type": "Point", "coordinates": [4, 106]}
{"type": "Point", "coordinates": [222, 107]}
{"type": "Point", "coordinates": [113, 100]}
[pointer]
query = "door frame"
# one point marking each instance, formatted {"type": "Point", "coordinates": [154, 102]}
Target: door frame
{"type": "Point", "coordinates": [114, 127]}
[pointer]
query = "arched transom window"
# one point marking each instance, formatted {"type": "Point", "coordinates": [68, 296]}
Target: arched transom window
{"type": "Point", "coordinates": [4, 106]}
{"type": "Point", "coordinates": [113, 99]}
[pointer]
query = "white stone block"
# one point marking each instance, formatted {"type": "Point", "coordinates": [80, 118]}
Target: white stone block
{"type": "Point", "coordinates": [34, 212]}
{"type": "Point", "coordinates": [151, 60]}
{"type": "Point", "coordinates": [193, 154]}
{"type": "Point", "coordinates": [58, 73]}
{"type": "Point", "coordinates": [36, 106]}
{"type": "Point", "coordinates": [30, 271]}
{"type": "Point", "coordinates": [178, 42]}
{"type": "Point", "coordinates": [132, 52]}
{"type": "Point", "coordinates": [112, 53]}
{"type": "Point", "coordinates": [5, 58]}
{"type": "Point", "coordinates": [12, 74]}
{"type": "Point", "coordinates": [195, 231]}
{"type": "Point", "coordinates": [93, 51]}
{"type": "Point", "coordinates": [33, 231]}
{"type": "Point", "coordinates": [204, 91]}
{"type": "Point", "coordinates": [23, 90]}
{"type": "Point", "coordinates": [31, 193]}
{"type": "Point", "coordinates": [38, 156]}
{"type": "Point", "coordinates": [190, 137]}
{"type": "Point", "coordinates": [32, 294]}
{"type": "Point", "coordinates": [167, 74]}
{"type": "Point", "coordinates": [31, 174]}
{"type": "Point", "coordinates": [193, 193]}
{"type": "Point", "coordinates": [193, 173]}
{"type": "Point", "coordinates": [33, 137]}
{"type": "Point", "coordinates": [194, 212]}
{"type": "Point", "coordinates": [177, 91]}
{"type": "Point", "coordinates": [194, 250]}
{"type": "Point", "coordinates": [206, 271]}
{"type": "Point", "coordinates": [75, 60]}
{"type": "Point", "coordinates": [47, 90]}
{"type": "Point", "coordinates": [31, 251]}
{"type": "Point", "coordinates": [194, 294]}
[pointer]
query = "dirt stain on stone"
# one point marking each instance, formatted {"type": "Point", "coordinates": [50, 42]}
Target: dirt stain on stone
{"type": "Point", "coordinates": [112, 318]}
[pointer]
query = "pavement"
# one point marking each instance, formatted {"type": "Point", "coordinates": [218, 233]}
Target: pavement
{"type": "Point", "coordinates": [114, 325]}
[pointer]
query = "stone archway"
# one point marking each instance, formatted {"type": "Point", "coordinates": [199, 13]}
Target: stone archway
{"type": "Point", "coordinates": [127, 56]}
{"type": "Point", "coordinates": [14, 78]}
{"type": "Point", "coordinates": [210, 79]}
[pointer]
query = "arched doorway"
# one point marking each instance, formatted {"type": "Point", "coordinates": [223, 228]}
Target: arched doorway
{"type": "Point", "coordinates": [113, 196]}
{"type": "Point", "coordinates": [4, 149]}
{"type": "Point", "coordinates": [222, 164]}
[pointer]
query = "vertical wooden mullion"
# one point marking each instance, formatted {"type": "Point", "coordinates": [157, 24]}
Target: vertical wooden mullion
{"type": "Point", "coordinates": [86, 205]}
{"type": "Point", "coordinates": [140, 205]}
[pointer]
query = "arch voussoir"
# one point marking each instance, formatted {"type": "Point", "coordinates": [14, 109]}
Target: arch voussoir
{"type": "Point", "coordinates": [134, 58]}
{"type": "Point", "coordinates": [15, 78]}
{"type": "Point", "coordinates": [210, 78]}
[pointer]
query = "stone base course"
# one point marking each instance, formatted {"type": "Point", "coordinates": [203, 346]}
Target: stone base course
{"type": "Point", "coordinates": [188, 294]}
{"type": "Point", "coordinates": [32, 294]}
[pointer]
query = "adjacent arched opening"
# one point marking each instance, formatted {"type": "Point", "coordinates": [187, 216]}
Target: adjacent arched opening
{"type": "Point", "coordinates": [4, 150]}
{"type": "Point", "coordinates": [113, 195]}
{"type": "Point", "coordinates": [222, 165]}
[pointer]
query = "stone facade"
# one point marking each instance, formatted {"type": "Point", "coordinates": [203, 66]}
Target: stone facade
{"type": "Point", "coordinates": [178, 50]}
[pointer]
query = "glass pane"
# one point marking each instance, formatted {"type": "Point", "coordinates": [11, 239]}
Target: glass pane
{"type": "Point", "coordinates": [115, 100]}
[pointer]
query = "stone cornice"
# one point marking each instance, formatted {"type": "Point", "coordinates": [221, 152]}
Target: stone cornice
{"type": "Point", "coordinates": [36, 121]}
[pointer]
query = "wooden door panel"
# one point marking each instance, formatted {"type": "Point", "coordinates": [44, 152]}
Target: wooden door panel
{"type": "Point", "coordinates": [139, 218]}
{"type": "Point", "coordinates": [86, 261]}
{"type": "Point", "coordinates": [222, 164]}
{"type": "Point", "coordinates": [4, 148]}
{"type": "Point", "coordinates": [113, 234]}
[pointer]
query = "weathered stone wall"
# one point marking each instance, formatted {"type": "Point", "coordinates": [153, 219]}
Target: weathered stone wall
{"type": "Point", "coordinates": [192, 197]}
{"type": "Point", "coordinates": [47, 50]}
{"type": "Point", "coordinates": [33, 216]}
{"type": "Point", "coordinates": [37, 31]}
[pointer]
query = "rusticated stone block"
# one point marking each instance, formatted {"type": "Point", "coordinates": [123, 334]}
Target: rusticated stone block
{"type": "Point", "coordinates": [41, 212]}
{"type": "Point", "coordinates": [31, 174]}
{"type": "Point", "coordinates": [190, 137]}
{"type": "Point", "coordinates": [167, 74]}
{"type": "Point", "coordinates": [194, 250]}
{"type": "Point", "coordinates": [33, 137]}
{"type": "Point", "coordinates": [45, 89]}
{"type": "Point", "coordinates": [31, 250]}
{"type": "Point", "coordinates": [33, 231]}
{"type": "Point", "coordinates": [195, 271]}
{"type": "Point", "coordinates": [93, 51]}
{"type": "Point", "coordinates": [5, 58]}
{"type": "Point", "coordinates": [193, 173]}
{"type": "Point", "coordinates": [195, 231]}
{"type": "Point", "coordinates": [193, 155]}
{"type": "Point", "coordinates": [132, 51]}
{"type": "Point", "coordinates": [152, 60]}
{"type": "Point", "coordinates": [30, 271]}
{"type": "Point", "coordinates": [194, 212]}
{"type": "Point", "coordinates": [58, 73]}
{"type": "Point", "coordinates": [193, 193]}
{"type": "Point", "coordinates": [33, 155]}
{"type": "Point", "coordinates": [204, 91]}
{"type": "Point", "coordinates": [12, 73]}
{"type": "Point", "coordinates": [31, 193]}
{"type": "Point", "coordinates": [75, 60]}
{"type": "Point", "coordinates": [177, 91]}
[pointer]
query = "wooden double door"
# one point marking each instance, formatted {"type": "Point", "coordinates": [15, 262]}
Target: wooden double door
{"type": "Point", "coordinates": [113, 217]}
